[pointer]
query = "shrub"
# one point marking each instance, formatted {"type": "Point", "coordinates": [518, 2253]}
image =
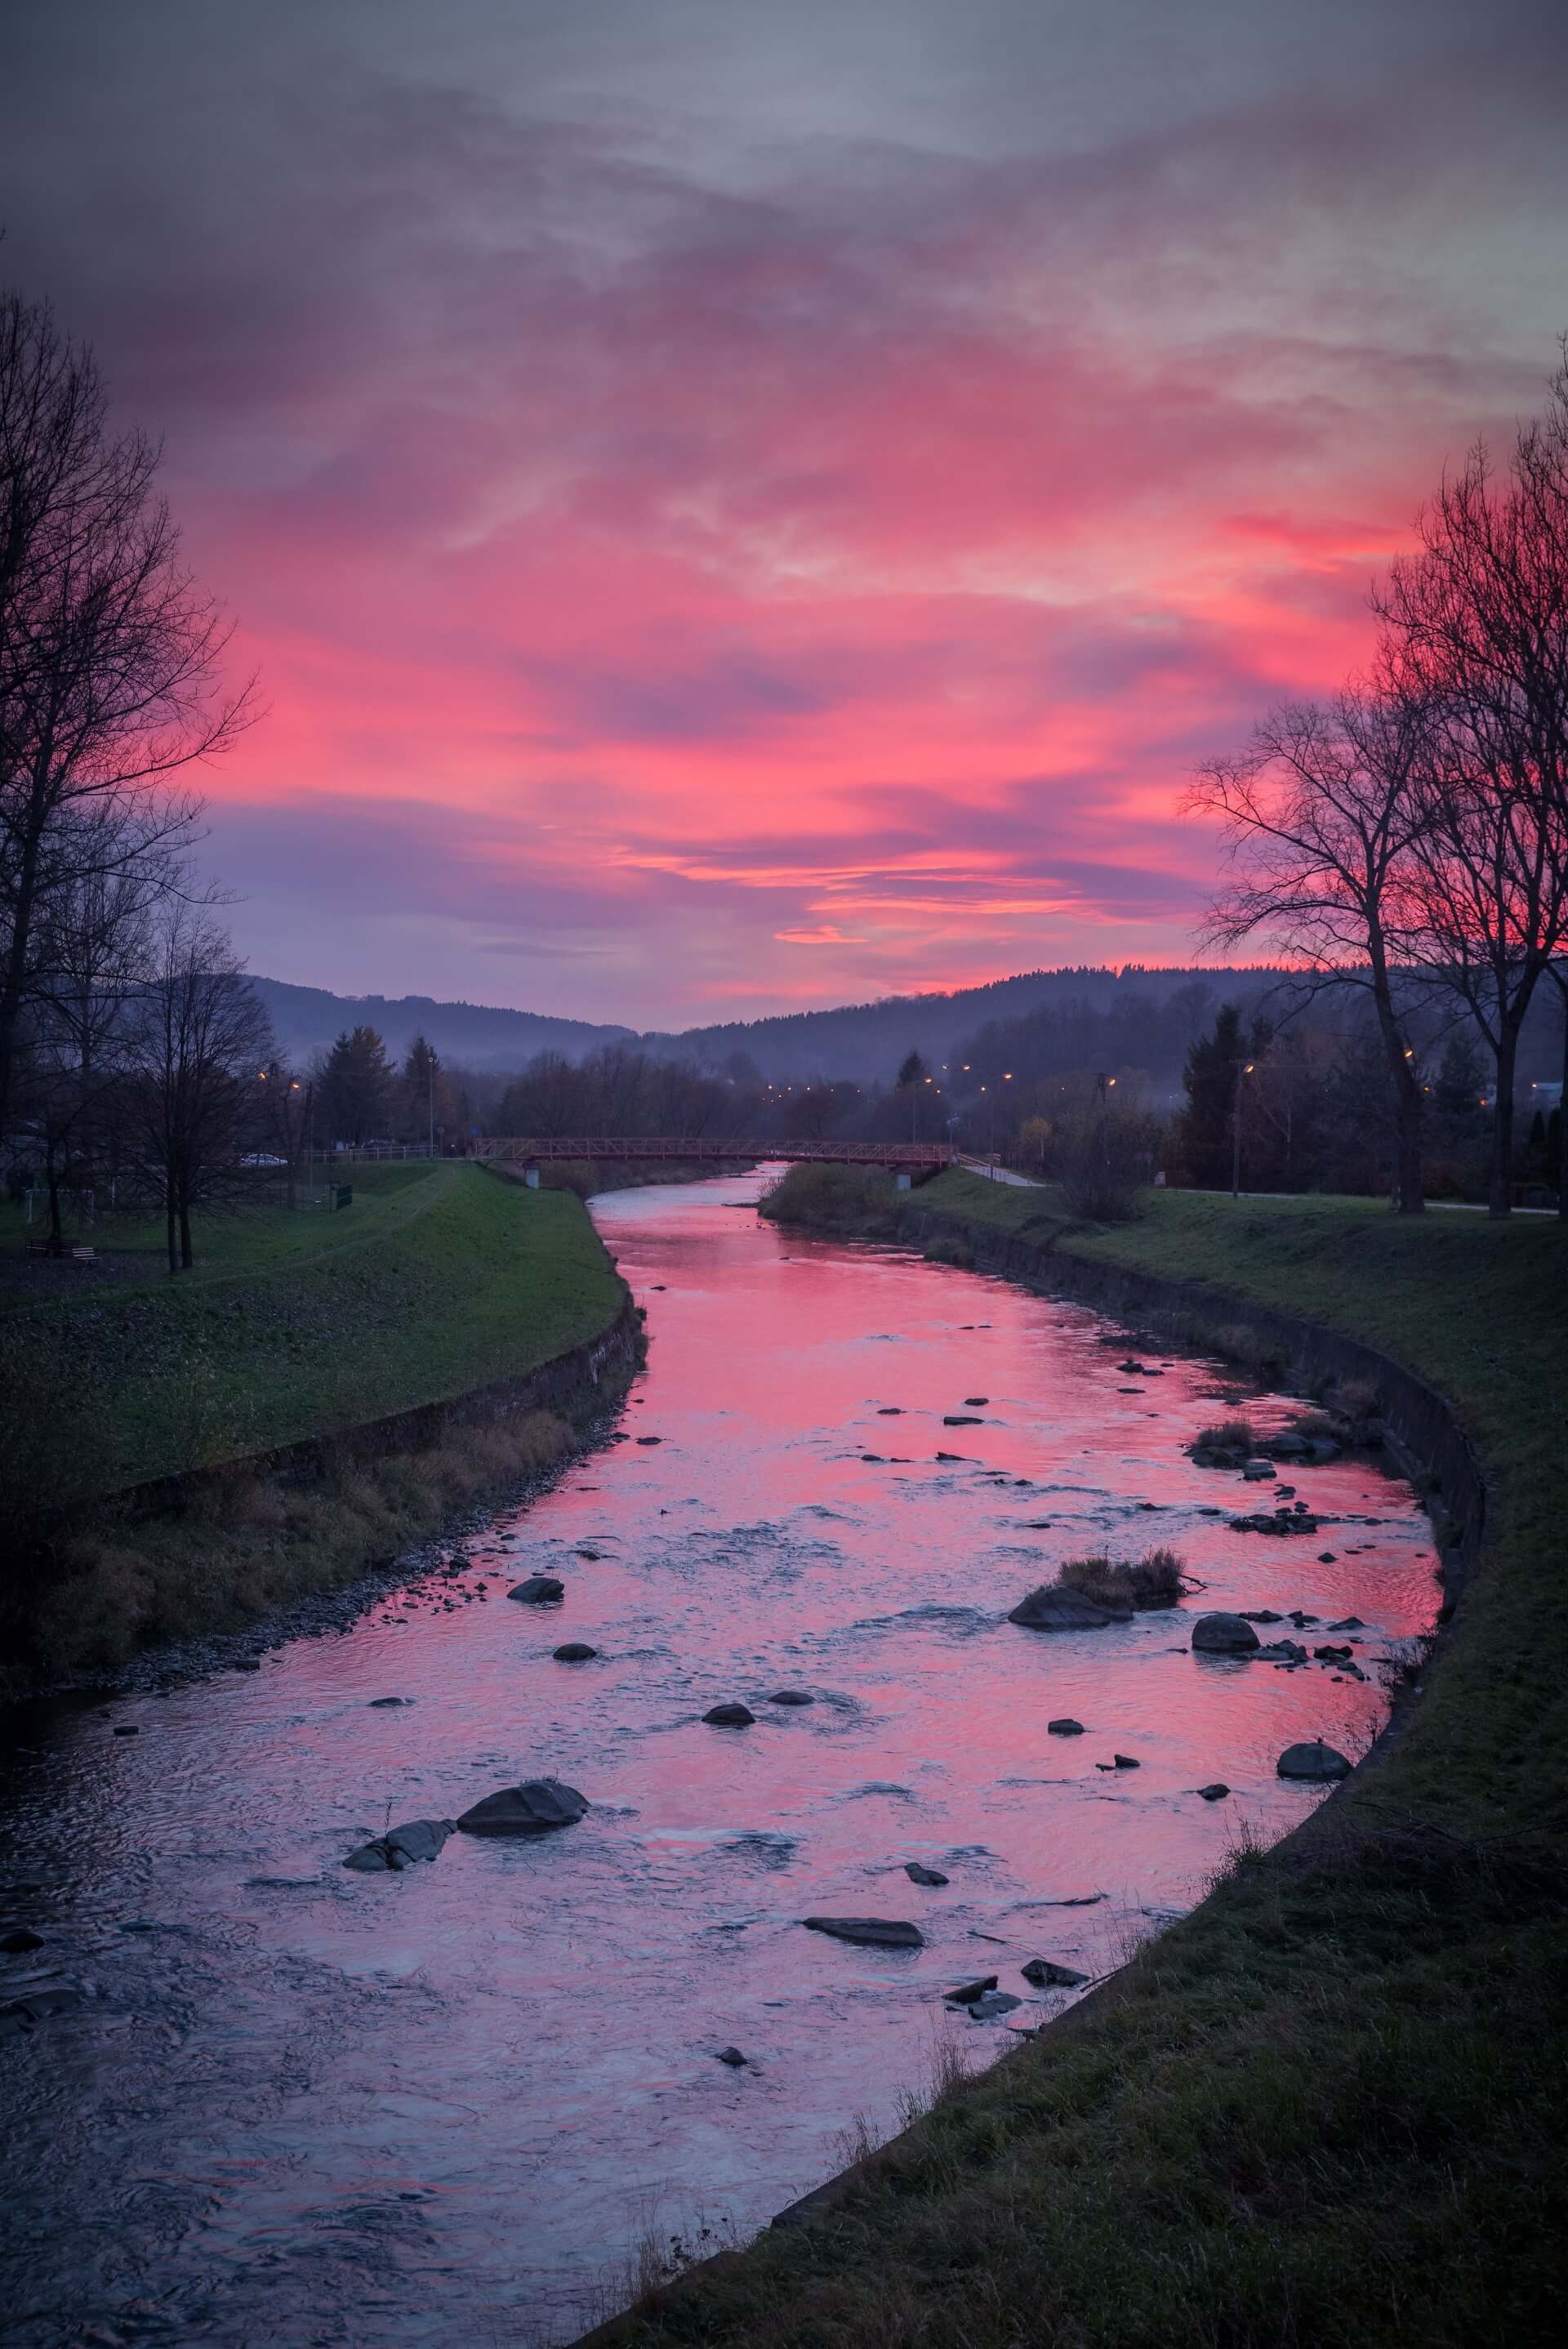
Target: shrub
{"type": "Point", "coordinates": [1361, 1399]}
{"type": "Point", "coordinates": [1238, 1341]}
{"type": "Point", "coordinates": [1230, 1436]}
{"type": "Point", "coordinates": [855, 1201]}
{"type": "Point", "coordinates": [1104, 1161]}
{"type": "Point", "coordinates": [577, 1174]}
{"type": "Point", "coordinates": [1152, 1581]}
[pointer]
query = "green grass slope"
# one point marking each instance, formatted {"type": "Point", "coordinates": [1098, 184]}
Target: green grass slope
{"type": "Point", "coordinates": [1328, 2108]}
{"type": "Point", "coordinates": [440, 1278]}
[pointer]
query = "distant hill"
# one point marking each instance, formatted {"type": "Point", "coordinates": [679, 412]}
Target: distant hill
{"type": "Point", "coordinates": [861, 1041]}
{"type": "Point", "coordinates": [469, 1035]}
{"type": "Point", "coordinates": [866, 1042]}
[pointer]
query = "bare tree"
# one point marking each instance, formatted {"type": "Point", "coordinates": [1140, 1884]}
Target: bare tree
{"type": "Point", "coordinates": [1476, 646]}
{"type": "Point", "coordinates": [110, 656]}
{"type": "Point", "coordinates": [204, 1040]}
{"type": "Point", "coordinates": [82, 1025]}
{"type": "Point", "coordinates": [1321, 818]}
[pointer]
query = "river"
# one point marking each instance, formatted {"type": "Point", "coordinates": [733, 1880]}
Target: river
{"type": "Point", "coordinates": [301, 2106]}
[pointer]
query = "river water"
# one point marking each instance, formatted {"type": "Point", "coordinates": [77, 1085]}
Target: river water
{"type": "Point", "coordinates": [303, 2106]}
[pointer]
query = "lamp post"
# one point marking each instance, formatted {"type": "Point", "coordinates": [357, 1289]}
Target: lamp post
{"type": "Point", "coordinates": [1243, 1069]}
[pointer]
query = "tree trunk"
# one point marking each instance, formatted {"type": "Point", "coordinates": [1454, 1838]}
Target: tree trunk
{"type": "Point", "coordinates": [171, 1233]}
{"type": "Point", "coordinates": [1563, 1111]}
{"type": "Point", "coordinates": [13, 984]}
{"type": "Point", "coordinates": [52, 1176]}
{"type": "Point", "coordinates": [1409, 1198]}
{"type": "Point", "coordinates": [1409, 1195]}
{"type": "Point", "coordinates": [1500, 1199]}
{"type": "Point", "coordinates": [186, 1257]}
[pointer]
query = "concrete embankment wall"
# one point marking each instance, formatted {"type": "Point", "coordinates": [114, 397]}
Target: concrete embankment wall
{"type": "Point", "coordinates": [577, 1385]}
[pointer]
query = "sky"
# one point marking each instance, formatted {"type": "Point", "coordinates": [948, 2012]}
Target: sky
{"type": "Point", "coordinates": [737, 508]}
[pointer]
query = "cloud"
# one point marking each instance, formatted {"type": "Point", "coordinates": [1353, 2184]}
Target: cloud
{"type": "Point", "coordinates": [687, 504]}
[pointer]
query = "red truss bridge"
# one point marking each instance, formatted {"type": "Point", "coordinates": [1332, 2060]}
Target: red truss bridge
{"type": "Point", "coordinates": [536, 1150]}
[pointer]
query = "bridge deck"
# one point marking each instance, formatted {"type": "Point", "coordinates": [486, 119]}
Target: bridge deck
{"type": "Point", "coordinates": [710, 1148]}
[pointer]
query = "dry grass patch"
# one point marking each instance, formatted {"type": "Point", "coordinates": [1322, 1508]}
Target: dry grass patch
{"type": "Point", "coordinates": [1155, 1579]}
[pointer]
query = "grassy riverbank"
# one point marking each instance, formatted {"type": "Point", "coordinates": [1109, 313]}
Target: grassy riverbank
{"type": "Point", "coordinates": [1328, 2108]}
{"type": "Point", "coordinates": [439, 1280]}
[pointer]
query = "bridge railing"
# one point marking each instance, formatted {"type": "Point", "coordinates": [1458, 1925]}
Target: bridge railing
{"type": "Point", "coordinates": [532, 1149]}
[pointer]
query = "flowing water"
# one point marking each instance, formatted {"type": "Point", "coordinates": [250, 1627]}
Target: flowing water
{"type": "Point", "coordinates": [303, 2106]}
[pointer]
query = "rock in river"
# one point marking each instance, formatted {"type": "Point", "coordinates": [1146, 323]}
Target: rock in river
{"type": "Point", "coordinates": [1065, 1727]}
{"type": "Point", "coordinates": [539, 1589]}
{"type": "Point", "coordinates": [400, 1847]}
{"type": "Point", "coordinates": [1046, 1974]}
{"type": "Point", "coordinates": [1315, 1762]}
{"type": "Point", "coordinates": [733, 2057]}
{"type": "Point", "coordinates": [876, 1932]}
{"type": "Point", "coordinates": [17, 1939]}
{"type": "Point", "coordinates": [994, 2002]}
{"type": "Point", "coordinates": [532, 1808]}
{"type": "Point", "coordinates": [968, 1992]}
{"type": "Point", "coordinates": [1052, 1608]}
{"type": "Point", "coordinates": [1223, 1635]}
{"type": "Point", "coordinates": [574, 1652]}
{"type": "Point", "coordinates": [918, 1873]}
{"type": "Point", "coordinates": [1216, 1792]}
{"type": "Point", "coordinates": [790, 1696]}
{"type": "Point", "coordinates": [730, 1716]}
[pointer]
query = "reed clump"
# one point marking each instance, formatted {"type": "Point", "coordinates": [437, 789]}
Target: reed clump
{"type": "Point", "coordinates": [1155, 1579]}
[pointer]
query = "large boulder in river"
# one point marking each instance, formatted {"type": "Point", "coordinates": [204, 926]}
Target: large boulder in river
{"type": "Point", "coordinates": [400, 1847]}
{"type": "Point", "coordinates": [729, 1716]}
{"type": "Point", "coordinates": [532, 1808]}
{"type": "Point", "coordinates": [1314, 1761]}
{"type": "Point", "coordinates": [1052, 1608]}
{"type": "Point", "coordinates": [876, 1932]}
{"type": "Point", "coordinates": [1224, 1635]}
{"type": "Point", "coordinates": [539, 1589]}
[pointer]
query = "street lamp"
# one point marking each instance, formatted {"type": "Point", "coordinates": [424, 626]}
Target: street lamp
{"type": "Point", "coordinates": [1243, 1069]}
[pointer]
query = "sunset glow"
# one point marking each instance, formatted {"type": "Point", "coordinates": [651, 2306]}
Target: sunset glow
{"type": "Point", "coordinates": [775, 519]}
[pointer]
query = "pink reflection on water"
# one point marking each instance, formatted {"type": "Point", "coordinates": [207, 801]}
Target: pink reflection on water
{"type": "Point", "coordinates": [522, 2038]}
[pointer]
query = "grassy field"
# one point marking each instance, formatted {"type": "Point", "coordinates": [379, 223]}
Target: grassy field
{"type": "Point", "coordinates": [1329, 2107]}
{"type": "Point", "coordinates": [438, 1280]}
{"type": "Point", "coordinates": [246, 1239]}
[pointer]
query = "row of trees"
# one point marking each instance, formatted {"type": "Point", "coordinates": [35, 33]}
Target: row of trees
{"type": "Point", "coordinates": [1410, 839]}
{"type": "Point", "coordinates": [127, 1033]}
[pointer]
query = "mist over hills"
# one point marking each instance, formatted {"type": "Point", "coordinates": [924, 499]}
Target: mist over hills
{"type": "Point", "coordinates": [862, 1043]}
{"type": "Point", "coordinates": [471, 1035]}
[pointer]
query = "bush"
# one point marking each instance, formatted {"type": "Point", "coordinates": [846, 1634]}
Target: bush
{"type": "Point", "coordinates": [576, 1175]}
{"type": "Point", "coordinates": [1152, 1581]}
{"type": "Point", "coordinates": [1238, 1341]}
{"type": "Point", "coordinates": [856, 1202]}
{"type": "Point", "coordinates": [1230, 1436]}
{"type": "Point", "coordinates": [1103, 1161]}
